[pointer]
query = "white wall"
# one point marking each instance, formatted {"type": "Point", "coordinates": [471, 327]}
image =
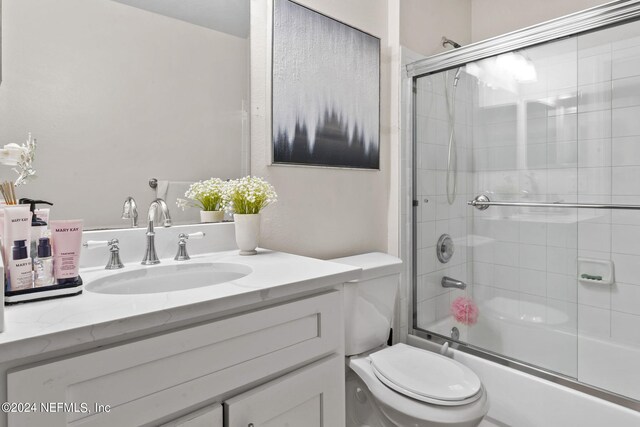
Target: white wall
{"type": "Point", "coordinates": [116, 95]}
{"type": "Point", "coordinates": [323, 212]}
{"type": "Point", "coordinates": [491, 18]}
{"type": "Point", "coordinates": [425, 22]}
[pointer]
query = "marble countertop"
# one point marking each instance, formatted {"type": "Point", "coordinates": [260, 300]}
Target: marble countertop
{"type": "Point", "coordinates": [45, 326]}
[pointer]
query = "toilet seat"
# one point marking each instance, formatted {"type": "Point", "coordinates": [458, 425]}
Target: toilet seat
{"type": "Point", "coordinates": [425, 376]}
{"type": "Point", "coordinates": [405, 410]}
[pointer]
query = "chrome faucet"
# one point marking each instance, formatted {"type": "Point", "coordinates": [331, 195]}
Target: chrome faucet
{"type": "Point", "coordinates": [130, 211]}
{"type": "Point", "coordinates": [182, 254]}
{"type": "Point", "coordinates": [114, 262]}
{"type": "Point", "coordinates": [164, 212]}
{"type": "Point", "coordinates": [150, 255]}
{"type": "Point", "coordinates": [448, 282]}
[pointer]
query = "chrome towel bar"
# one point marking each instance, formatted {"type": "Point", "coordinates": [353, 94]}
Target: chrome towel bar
{"type": "Point", "coordinates": [482, 202]}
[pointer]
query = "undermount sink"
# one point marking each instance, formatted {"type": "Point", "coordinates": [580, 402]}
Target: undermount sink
{"type": "Point", "coordinates": [167, 278]}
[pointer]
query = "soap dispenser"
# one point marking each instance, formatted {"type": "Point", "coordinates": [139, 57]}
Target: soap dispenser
{"type": "Point", "coordinates": [38, 226]}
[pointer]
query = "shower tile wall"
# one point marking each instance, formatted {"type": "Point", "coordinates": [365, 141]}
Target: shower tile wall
{"type": "Point", "coordinates": [610, 91]}
{"type": "Point", "coordinates": [435, 216]}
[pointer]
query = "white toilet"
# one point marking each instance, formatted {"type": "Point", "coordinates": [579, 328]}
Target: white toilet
{"type": "Point", "coordinates": [398, 385]}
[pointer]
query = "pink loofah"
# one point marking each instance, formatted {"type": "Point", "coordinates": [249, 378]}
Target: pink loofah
{"type": "Point", "coordinates": [465, 311]}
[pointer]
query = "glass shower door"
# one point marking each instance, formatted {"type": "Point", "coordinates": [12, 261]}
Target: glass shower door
{"type": "Point", "coordinates": [444, 133]}
{"type": "Point", "coordinates": [552, 287]}
{"type": "Point", "coordinates": [515, 127]}
{"type": "Point", "coordinates": [524, 258]}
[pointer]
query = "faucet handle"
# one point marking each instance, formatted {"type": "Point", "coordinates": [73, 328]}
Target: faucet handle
{"type": "Point", "coordinates": [182, 254]}
{"type": "Point", "coordinates": [114, 250]}
{"type": "Point", "coordinates": [92, 244]}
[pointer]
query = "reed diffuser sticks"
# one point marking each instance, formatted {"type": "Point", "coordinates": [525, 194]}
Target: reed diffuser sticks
{"type": "Point", "coordinates": [8, 190]}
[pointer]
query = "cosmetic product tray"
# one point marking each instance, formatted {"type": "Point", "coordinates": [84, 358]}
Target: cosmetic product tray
{"type": "Point", "coordinates": [44, 292]}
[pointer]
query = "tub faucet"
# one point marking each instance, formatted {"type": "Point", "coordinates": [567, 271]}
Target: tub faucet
{"type": "Point", "coordinates": [130, 211]}
{"type": "Point", "coordinates": [150, 255]}
{"type": "Point", "coordinates": [448, 282]}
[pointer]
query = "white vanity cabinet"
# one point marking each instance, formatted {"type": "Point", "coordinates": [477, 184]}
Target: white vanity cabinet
{"type": "Point", "coordinates": [284, 362]}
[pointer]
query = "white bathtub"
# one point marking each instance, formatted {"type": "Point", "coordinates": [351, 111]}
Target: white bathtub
{"type": "Point", "coordinates": [518, 399]}
{"type": "Point", "coordinates": [547, 337]}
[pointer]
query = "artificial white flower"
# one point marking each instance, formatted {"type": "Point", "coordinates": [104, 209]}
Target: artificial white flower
{"type": "Point", "coordinates": [11, 154]}
{"type": "Point", "coordinates": [207, 195]}
{"type": "Point", "coordinates": [249, 195]}
{"type": "Point", "coordinates": [20, 156]}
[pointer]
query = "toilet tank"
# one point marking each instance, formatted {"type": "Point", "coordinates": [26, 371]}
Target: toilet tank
{"type": "Point", "coordinates": [369, 301]}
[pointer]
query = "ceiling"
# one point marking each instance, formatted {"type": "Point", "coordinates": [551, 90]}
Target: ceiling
{"type": "Point", "coordinates": [227, 16]}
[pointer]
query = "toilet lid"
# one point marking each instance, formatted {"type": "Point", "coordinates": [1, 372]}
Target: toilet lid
{"type": "Point", "coordinates": [423, 374]}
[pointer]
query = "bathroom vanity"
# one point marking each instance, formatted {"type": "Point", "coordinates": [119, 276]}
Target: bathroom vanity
{"type": "Point", "coordinates": [210, 355]}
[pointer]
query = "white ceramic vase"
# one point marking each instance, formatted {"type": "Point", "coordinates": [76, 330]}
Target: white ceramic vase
{"type": "Point", "coordinates": [211, 216]}
{"type": "Point", "coordinates": [247, 232]}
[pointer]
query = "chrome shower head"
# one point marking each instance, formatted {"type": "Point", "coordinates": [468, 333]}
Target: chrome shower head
{"type": "Point", "coordinates": [446, 41]}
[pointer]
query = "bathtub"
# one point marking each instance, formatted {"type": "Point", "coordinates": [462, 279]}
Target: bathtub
{"type": "Point", "coordinates": [521, 400]}
{"type": "Point", "coordinates": [547, 337]}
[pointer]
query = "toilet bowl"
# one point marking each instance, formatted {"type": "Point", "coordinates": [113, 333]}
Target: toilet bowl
{"type": "Point", "coordinates": [398, 385]}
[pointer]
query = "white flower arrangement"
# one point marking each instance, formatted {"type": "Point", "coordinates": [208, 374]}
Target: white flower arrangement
{"type": "Point", "coordinates": [22, 157]}
{"type": "Point", "coordinates": [209, 195]}
{"type": "Point", "coordinates": [249, 195]}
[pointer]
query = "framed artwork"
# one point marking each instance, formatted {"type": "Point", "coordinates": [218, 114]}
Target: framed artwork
{"type": "Point", "coordinates": [325, 91]}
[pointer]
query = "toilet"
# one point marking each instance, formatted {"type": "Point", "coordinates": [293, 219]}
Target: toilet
{"type": "Point", "coordinates": [398, 385]}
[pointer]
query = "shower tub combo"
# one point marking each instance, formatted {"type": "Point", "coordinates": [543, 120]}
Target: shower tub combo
{"type": "Point", "coordinates": [525, 204]}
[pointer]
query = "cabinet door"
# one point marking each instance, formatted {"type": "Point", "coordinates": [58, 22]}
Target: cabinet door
{"type": "Point", "coordinates": [211, 416]}
{"type": "Point", "coordinates": [312, 396]}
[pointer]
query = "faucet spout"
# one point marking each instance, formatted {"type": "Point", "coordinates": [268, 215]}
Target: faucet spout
{"type": "Point", "coordinates": [159, 205]}
{"type": "Point", "coordinates": [448, 282]}
{"type": "Point", "coordinates": [130, 211]}
{"type": "Point", "coordinates": [150, 255]}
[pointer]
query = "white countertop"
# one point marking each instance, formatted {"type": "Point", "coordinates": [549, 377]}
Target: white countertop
{"type": "Point", "coordinates": [44, 326]}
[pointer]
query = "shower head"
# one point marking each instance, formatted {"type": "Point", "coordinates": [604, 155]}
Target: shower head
{"type": "Point", "coordinates": [445, 41]}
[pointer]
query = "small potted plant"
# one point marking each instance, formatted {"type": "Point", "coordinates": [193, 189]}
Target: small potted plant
{"type": "Point", "coordinates": [207, 195]}
{"type": "Point", "coordinates": [246, 197]}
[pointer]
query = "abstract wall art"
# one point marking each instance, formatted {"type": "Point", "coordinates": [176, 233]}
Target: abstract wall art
{"type": "Point", "coordinates": [325, 91]}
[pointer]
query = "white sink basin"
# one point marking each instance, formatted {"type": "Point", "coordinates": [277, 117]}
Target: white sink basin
{"type": "Point", "coordinates": [167, 278]}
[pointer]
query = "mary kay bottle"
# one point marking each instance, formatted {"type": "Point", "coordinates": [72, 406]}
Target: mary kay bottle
{"type": "Point", "coordinates": [43, 264]}
{"type": "Point", "coordinates": [20, 267]}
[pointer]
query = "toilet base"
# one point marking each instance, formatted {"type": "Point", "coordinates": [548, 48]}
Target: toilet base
{"type": "Point", "coordinates": [360, 406]}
